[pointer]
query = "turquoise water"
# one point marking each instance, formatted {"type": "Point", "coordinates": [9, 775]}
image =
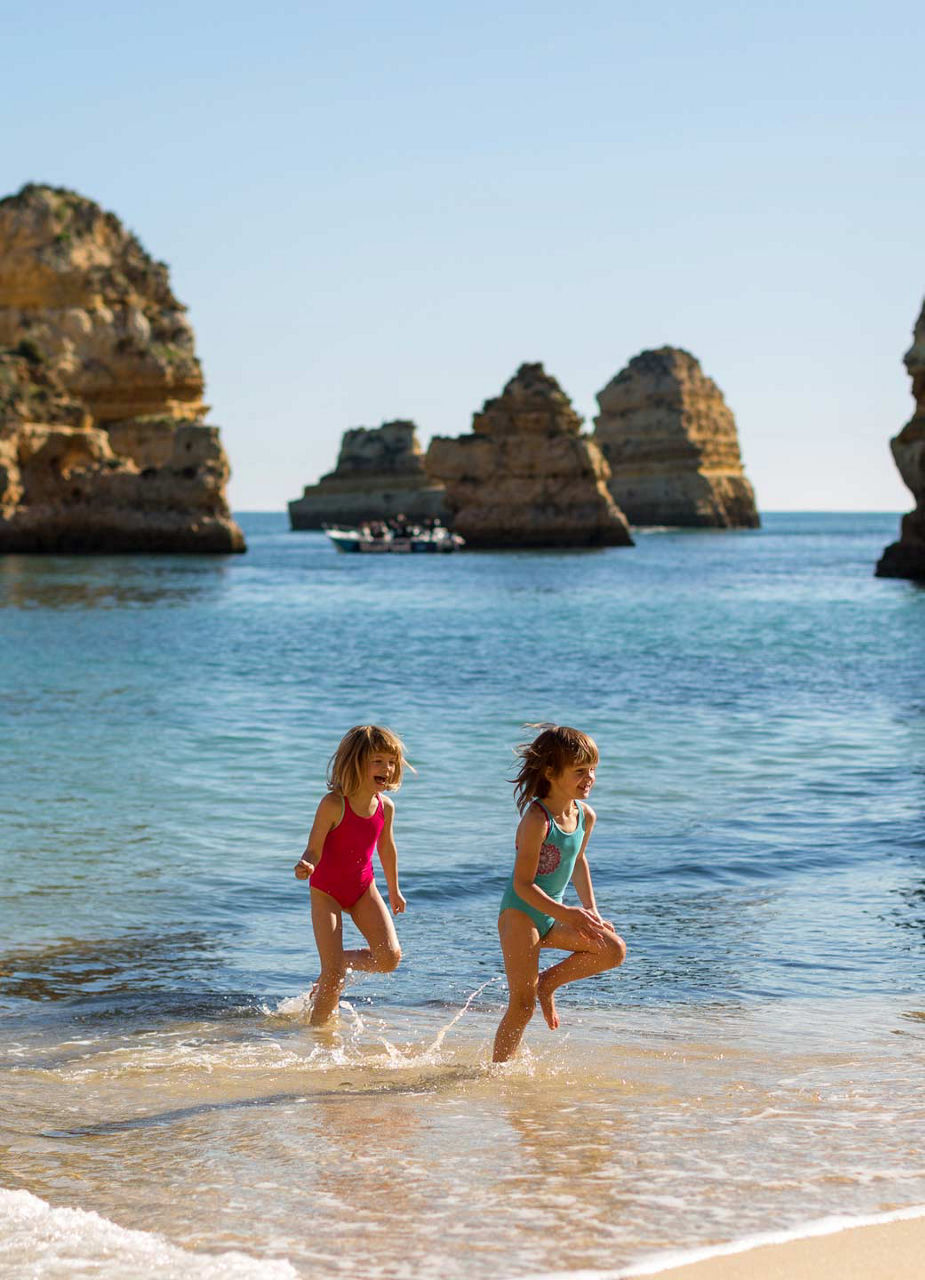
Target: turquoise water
{"type": "Point", "coordinates": [758, 701]}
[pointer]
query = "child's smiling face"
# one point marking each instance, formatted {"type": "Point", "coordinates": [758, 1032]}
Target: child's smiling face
{"type": "Point", "coordinates": [576, 780]}
{"type": "Point", "coordinates": [380, 770]}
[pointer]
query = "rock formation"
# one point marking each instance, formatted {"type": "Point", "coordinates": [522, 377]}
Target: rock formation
{"type": "Point", "coordinates": [906, 558]}
{"type": "Point", "coordinates": [379, 474]}
{"type": "Point", "coordinates": [672, 445]}
{"type": "Point", "coordinates": [102, 444]}
{"type": "Point", "coordinates": [526, 476]}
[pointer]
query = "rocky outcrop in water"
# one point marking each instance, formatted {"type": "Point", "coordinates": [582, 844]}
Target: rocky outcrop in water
{"type": "Point", "coordinates": [102, 443]}
{"type": "Point", "coordinates": [672, 445]}
{"type": "Point", "coordinates": [526, 476]}
{"type": "Point", "coordinates": [906, 558]}
{"type": "Point", "coordinates": [379, 475]}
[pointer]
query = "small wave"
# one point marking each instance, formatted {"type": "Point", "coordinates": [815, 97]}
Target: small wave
{"type": "Point", "coordinates": [47, 1243]}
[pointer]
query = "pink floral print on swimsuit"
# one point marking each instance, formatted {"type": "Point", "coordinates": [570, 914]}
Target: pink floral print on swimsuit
{"type": "Point", "coordinates": [550, 857]}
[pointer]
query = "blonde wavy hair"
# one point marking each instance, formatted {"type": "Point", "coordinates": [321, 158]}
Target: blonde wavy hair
{"type": "Point", "coordinates": [555, 749]}
{"type": "Point", "coordinates": [348, 763]}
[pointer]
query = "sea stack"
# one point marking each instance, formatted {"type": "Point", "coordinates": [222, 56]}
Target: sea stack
{"type": "Point", "coordinates": [906, 558]}
{"type": "Point", "coordinates": [102, 441]}
{"type": "Point", "coordinates": [672, 445]}
{"type": "Point", "coordinates": [526, 476]}
{"type": "Point", "coordinates": [379, 474]}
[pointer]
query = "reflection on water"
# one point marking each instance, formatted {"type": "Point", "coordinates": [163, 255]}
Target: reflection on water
{"type": "Point", "coordinates": [135, 963]}
{"type": "Point", "coordinates": [107, 582]}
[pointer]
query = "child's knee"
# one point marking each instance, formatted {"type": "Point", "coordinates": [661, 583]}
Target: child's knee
{"type": "Point", "coordinates": [615, 951]}
{"type": "Point", "coordinates": [389, 958]}
{"type": "Point", "coordinates": [522, 1003]}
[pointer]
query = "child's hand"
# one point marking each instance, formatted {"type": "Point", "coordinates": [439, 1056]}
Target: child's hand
{"type": "Point", "coordinates": [303, 869]}
{"type": "Point", "coordinates": [588, 923]}
{"type": "Point", "coordinates": [397, 902]}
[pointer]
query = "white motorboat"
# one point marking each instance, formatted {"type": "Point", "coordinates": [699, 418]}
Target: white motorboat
{"type": "Point", "coordinates": [382, 540]}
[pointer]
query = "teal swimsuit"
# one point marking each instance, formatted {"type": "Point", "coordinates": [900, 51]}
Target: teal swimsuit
{"type": "Point", "coordinates": [558, 855]}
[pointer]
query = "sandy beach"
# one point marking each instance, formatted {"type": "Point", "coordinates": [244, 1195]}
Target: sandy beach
{"type": "Point", "coordinates": [892, 1249]}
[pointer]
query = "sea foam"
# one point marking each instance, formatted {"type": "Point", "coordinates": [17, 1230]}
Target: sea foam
{"type": "Point", "coordinates": [45, 1243]}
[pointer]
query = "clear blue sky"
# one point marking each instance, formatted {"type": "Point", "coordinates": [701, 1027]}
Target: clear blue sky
{"type": "Point", "coordinates": [379, 210]}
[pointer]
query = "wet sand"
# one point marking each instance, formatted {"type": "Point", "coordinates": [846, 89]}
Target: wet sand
{"type": "Point", "coordinates": [892, 1250]}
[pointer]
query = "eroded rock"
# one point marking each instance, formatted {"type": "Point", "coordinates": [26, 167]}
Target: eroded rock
{"type": "Point", "coordinates": [906, 558]}
{"type": "Point", "coordinates": [672, 445]}
{"type": "Point", "coordinates": [526, 476]}
{"type": "Point", "coordinates": [102, 443]}
{"type": "Point", "coordinates": [379, 475]}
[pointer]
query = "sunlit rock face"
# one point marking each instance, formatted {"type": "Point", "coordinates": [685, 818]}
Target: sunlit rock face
{"type": "Point", "coordinates": [102, 443]}
{"type": "Point", "coordinates": [672, 445]}
{"type": "Point", "coordinates": [379, 475]}
{"type": "Point", "coordinates": [526, 476]}
{"type": "Point", "coordinates": [906, 558]}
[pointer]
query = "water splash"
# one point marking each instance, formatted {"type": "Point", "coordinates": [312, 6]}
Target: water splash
{"type": "Point", "coordinates": [344, 1040]}
{"type": "Point", "coordinates": [442, 1033]}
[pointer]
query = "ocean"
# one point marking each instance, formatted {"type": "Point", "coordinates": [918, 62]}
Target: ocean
{"type": "Point", "coordinates": [756, 1063]}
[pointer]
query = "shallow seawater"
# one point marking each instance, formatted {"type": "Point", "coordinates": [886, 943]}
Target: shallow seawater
{"type": "Point", "coordinates": [385, 1148]}
{"type": "Point", "coordinates": [760, 844]}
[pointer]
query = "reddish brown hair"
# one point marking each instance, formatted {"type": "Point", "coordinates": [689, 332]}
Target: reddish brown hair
{"type": "Point", "coordinates": [555, 749]}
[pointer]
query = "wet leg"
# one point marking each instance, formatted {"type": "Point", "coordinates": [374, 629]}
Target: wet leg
{"type": "Point", "coordinates": [520, 946]}
{"type": "Point", "coordinates": [371, 917]}
{"type": "Point", "coordinates": [588, 957]}
{"type": "Point", "coordinates": [328, 924]}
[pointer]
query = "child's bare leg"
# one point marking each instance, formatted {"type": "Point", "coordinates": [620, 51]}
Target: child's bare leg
{"type": "Point", "coordinates": [328, 925]}
{"type": "Point", "coordinates": [520, 946]}
{"type": "Point", "coordinates": [371, 917]}
{"type": "Point", "coordinates": [588, 957]}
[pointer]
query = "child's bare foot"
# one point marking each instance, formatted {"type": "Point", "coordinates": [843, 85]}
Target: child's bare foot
{"type": "Point", "coordinates": [547, 999]}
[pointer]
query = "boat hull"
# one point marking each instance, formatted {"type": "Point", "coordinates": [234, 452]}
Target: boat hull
{"type": "Point", "coordinates": [353, 542]}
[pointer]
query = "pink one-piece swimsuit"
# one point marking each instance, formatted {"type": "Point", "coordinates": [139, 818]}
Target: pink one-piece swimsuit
{"type": "Point", "coordinates": [345, 868]}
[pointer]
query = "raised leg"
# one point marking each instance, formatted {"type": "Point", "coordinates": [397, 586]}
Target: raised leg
{"type": "Point", "coordinates": [588, 957]}
{"type": "Point", "coordinates": [371, 917]}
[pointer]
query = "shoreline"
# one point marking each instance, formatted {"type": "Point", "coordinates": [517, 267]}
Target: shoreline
{"type": "Point", "coordinates": [886, 1246]}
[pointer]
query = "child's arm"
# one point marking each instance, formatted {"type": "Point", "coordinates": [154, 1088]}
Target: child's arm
{"type": "Point", "coordinates": [327, 815]}
{"type": "Point", "coordinates": [530, 835]}
{"type": "Point", "coordinates": [388, 856]}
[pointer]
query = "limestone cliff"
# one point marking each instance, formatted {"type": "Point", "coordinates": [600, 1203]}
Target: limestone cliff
{"type": "Point", "coordinates": [906, 558]}
{"type": "Point", "coordinates": [102, 444]}
{"type": "Point", "coordinates": [379, 474]}
{"type": "Point", "coordinates": [672, 445]}
{"type": "Point", "coordinates": [526, 476]}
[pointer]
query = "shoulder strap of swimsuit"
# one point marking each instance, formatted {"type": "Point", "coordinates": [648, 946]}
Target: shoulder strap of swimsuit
{"type": "Point", "coordinates": [537, 800]}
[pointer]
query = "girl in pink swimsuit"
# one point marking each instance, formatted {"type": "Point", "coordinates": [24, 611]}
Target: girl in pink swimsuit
{"type": "Point", "coordinates": [352, 820]}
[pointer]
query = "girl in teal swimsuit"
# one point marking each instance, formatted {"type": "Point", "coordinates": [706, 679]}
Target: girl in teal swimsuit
{"type": "Point", "coordinates": [555, 779]}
